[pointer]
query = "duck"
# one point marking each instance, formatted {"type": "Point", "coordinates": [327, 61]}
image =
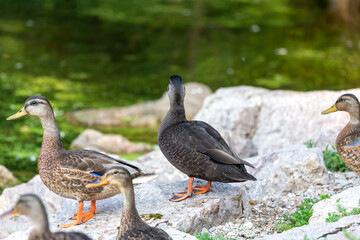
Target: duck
{"type": "Point", "coordinates": [348, 140]}
{"type": "Point", "coordinates": [196, 148]}
{"type": "Point", "coordinates": [132, 227]}
{"type": "Point", "coordinates": [64, 172]}
{"type": "Point", "coordinates": [31, 206]}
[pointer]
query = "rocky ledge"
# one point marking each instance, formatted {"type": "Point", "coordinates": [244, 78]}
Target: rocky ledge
{"type": "Point", "coordinates": [225, 203]}
{"type": "Point", "coordinates": [270, 124]}
{"type": "Point", "coordinates": [257, 121]}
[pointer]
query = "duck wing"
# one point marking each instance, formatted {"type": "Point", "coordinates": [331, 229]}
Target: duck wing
{"type": "Point", "coordinates": [205, 139]}
{"type": "Point", "coordinates": [353, 144]}
{"type": "Point", "coordinates": [93, 162]}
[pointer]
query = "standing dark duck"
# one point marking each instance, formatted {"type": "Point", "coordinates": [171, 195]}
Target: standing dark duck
{"type": "Point", "coordinates": [348, 140]}
{"type": "Point", "coordinates": [132, 227]}
{"type": "Point", "coordinates": [68, 172]}
{"type": "Point", "coordinates": [196, 148]}
{"type": "Point", "coordinates": [31, 206]}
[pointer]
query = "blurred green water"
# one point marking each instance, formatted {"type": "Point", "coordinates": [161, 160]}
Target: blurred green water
{"type": "Point", "coordinates": [90, 54]}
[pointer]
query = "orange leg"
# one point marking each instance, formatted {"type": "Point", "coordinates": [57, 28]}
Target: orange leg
{"type": "Point", "coordinates": [181, 196]}
{"type": "Point", "coordinates": [87, 215]}
{"type": "Point", "coordinates": [78, 217]}
{"type": "Point", "coordinates": [202, 189]}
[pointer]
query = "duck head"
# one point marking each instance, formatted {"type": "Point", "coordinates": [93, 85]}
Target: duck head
{"type": "Point", "coordinates": [29, 205]}
{"type": "Point", "coordinates": [348, 103]}
{"type": "Point", "coordinates": [117, 176]}
{"type": "Point", "coordinates": [176, 91]}
{"type": "Point", "coordinates": [37, 106]}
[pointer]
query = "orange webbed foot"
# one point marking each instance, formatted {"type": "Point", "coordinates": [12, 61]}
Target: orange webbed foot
{"type": "Point", "coordinates": [180, 196]}
{"type": "Point", "coordinates": [87, 215]}
{"type": "Point", "coordinates": [200, 189]}
{"type": "Point", "coordinates": [77, 222]}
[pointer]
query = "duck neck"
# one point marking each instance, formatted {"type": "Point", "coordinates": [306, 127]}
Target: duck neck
{"type": "Point", "coordinates": [175, 115]}
{"type": "Point", "coordinates": [350, 129]}
{"type": "Point", "coordinates": [130, 216]}
{"type": "Point", "coordinates": [51, 136]}
{"type": "Point", "coordinates": [355, 117]}
{"type": "Point", "coordinates": [41, 223]}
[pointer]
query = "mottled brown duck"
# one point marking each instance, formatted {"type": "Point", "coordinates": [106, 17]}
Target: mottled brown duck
{"type": "Point", "coordinates": [31, 206]}
{"type": "Point", "coordinates": [348, 140]}
{"type": "Point", "coordinates": [132, 227]}
{"type": "Point", "coordinates": [68, 172]}
{"type": "Point", "coordinates": [196, 148]}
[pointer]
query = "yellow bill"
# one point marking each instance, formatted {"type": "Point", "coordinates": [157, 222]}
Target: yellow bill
{"type": "Point", "coordinates": [330, 110]}
{"type": "Point", "coordinates": [19, 114]}
{"type": "Point", "coordinates": [9, 213]}
{"type": "Point", "coordinates": [100, 182]}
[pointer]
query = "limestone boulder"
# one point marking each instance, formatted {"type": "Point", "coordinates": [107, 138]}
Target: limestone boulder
{"type": "Point", "coordinates": [257, 121]}
{"type": "Point", "coordinates": [285, 171]}
{"type": "Point", "coordinates": [322, 231]}
{"type": "Point", "coordinates": [6, 176]}
{"type": "Point", "coordinates": [148, 114]}
{"type": "Point", "coordinates": [224, 203]}
{"type": "Point", "coordinates": [108, 142]}
{"type": "Point", "coordinates": [155, 162]}
{"type": "Point", "coordinates": [349, 199]}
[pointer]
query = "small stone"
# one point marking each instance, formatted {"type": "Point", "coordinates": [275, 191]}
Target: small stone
{"type": "Point", "coordinates": [248, 225]}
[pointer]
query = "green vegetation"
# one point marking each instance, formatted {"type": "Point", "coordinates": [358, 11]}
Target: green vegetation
{"type": "Point", "coordinates": [130, 156]}
{"type": "Point", "coordinates": [342, 212]}
{"type": "Point", "coordinates": [309, 144]}
{"type": "Point", "coordinates": [150, 216]}
{"type": "Point", "coordinates": [301, 216]}
{"type": "Point", "coordinates": [349, 237]}
{"type": "Point", "coordinates": [206, 236]}
{"type": "Point", "coordinates": [333, 161]}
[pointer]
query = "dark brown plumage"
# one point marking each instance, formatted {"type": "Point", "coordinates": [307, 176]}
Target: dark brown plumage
{"type": "Point", "coordinates": [31, 206]}
{"type": "Point", "coordinates": [348, 140]}
{"type": "Point", "coordinates": [67, 172]}
{"type": "Point", "coordinates": [196, 148]}
{"type": "Point", "coordinates": [132, 227]}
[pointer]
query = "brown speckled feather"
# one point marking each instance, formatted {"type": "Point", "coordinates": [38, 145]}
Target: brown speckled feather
{"type": "Point", "coordinates": [348, 147]}
{"type": "Point", "coordinates": [132, 227]}
{"type": "Point", "coordinates": [348, 140]}
{"type": "Point", "coordinates": [67, 172]}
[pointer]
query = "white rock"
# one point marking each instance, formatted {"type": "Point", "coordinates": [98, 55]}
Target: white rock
{"type": "Point", "coordinates": [155, 162]}
{"type": "Point", "coordinates": [322, 231]}
{"type": "Point", "coordinates": [224, 203]}
{"type": "Point", "coordinates": [349, 199]}
{"type": "Point", "coordinates": [6, 176]}
{"type": "Point", "coordinates": [285, 171]}
{"type": "Point", "coordinates": [108, 142]}
{"type": "Point", "coordinates": [269, 120]}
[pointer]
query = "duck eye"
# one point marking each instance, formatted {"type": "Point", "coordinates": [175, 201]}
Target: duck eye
{"type": "Point", "coordinates": [33, 103]}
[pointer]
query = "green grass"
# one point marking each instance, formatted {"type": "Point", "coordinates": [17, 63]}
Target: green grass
{"type": "Point", "coordinates": [206, 236]}
{"type": "Point", "coordinates": [349, 237]}
{"type": "Point", "coordinates": [301, 216]}
{"type": "Point", "coordinates": [131, 156]}
{"type": "Point", "coordinates": [333, 161]}
{"type": "Point", "coordinates": [342, 212]}
{"type": "Point", "coordinates": [309, 144]}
